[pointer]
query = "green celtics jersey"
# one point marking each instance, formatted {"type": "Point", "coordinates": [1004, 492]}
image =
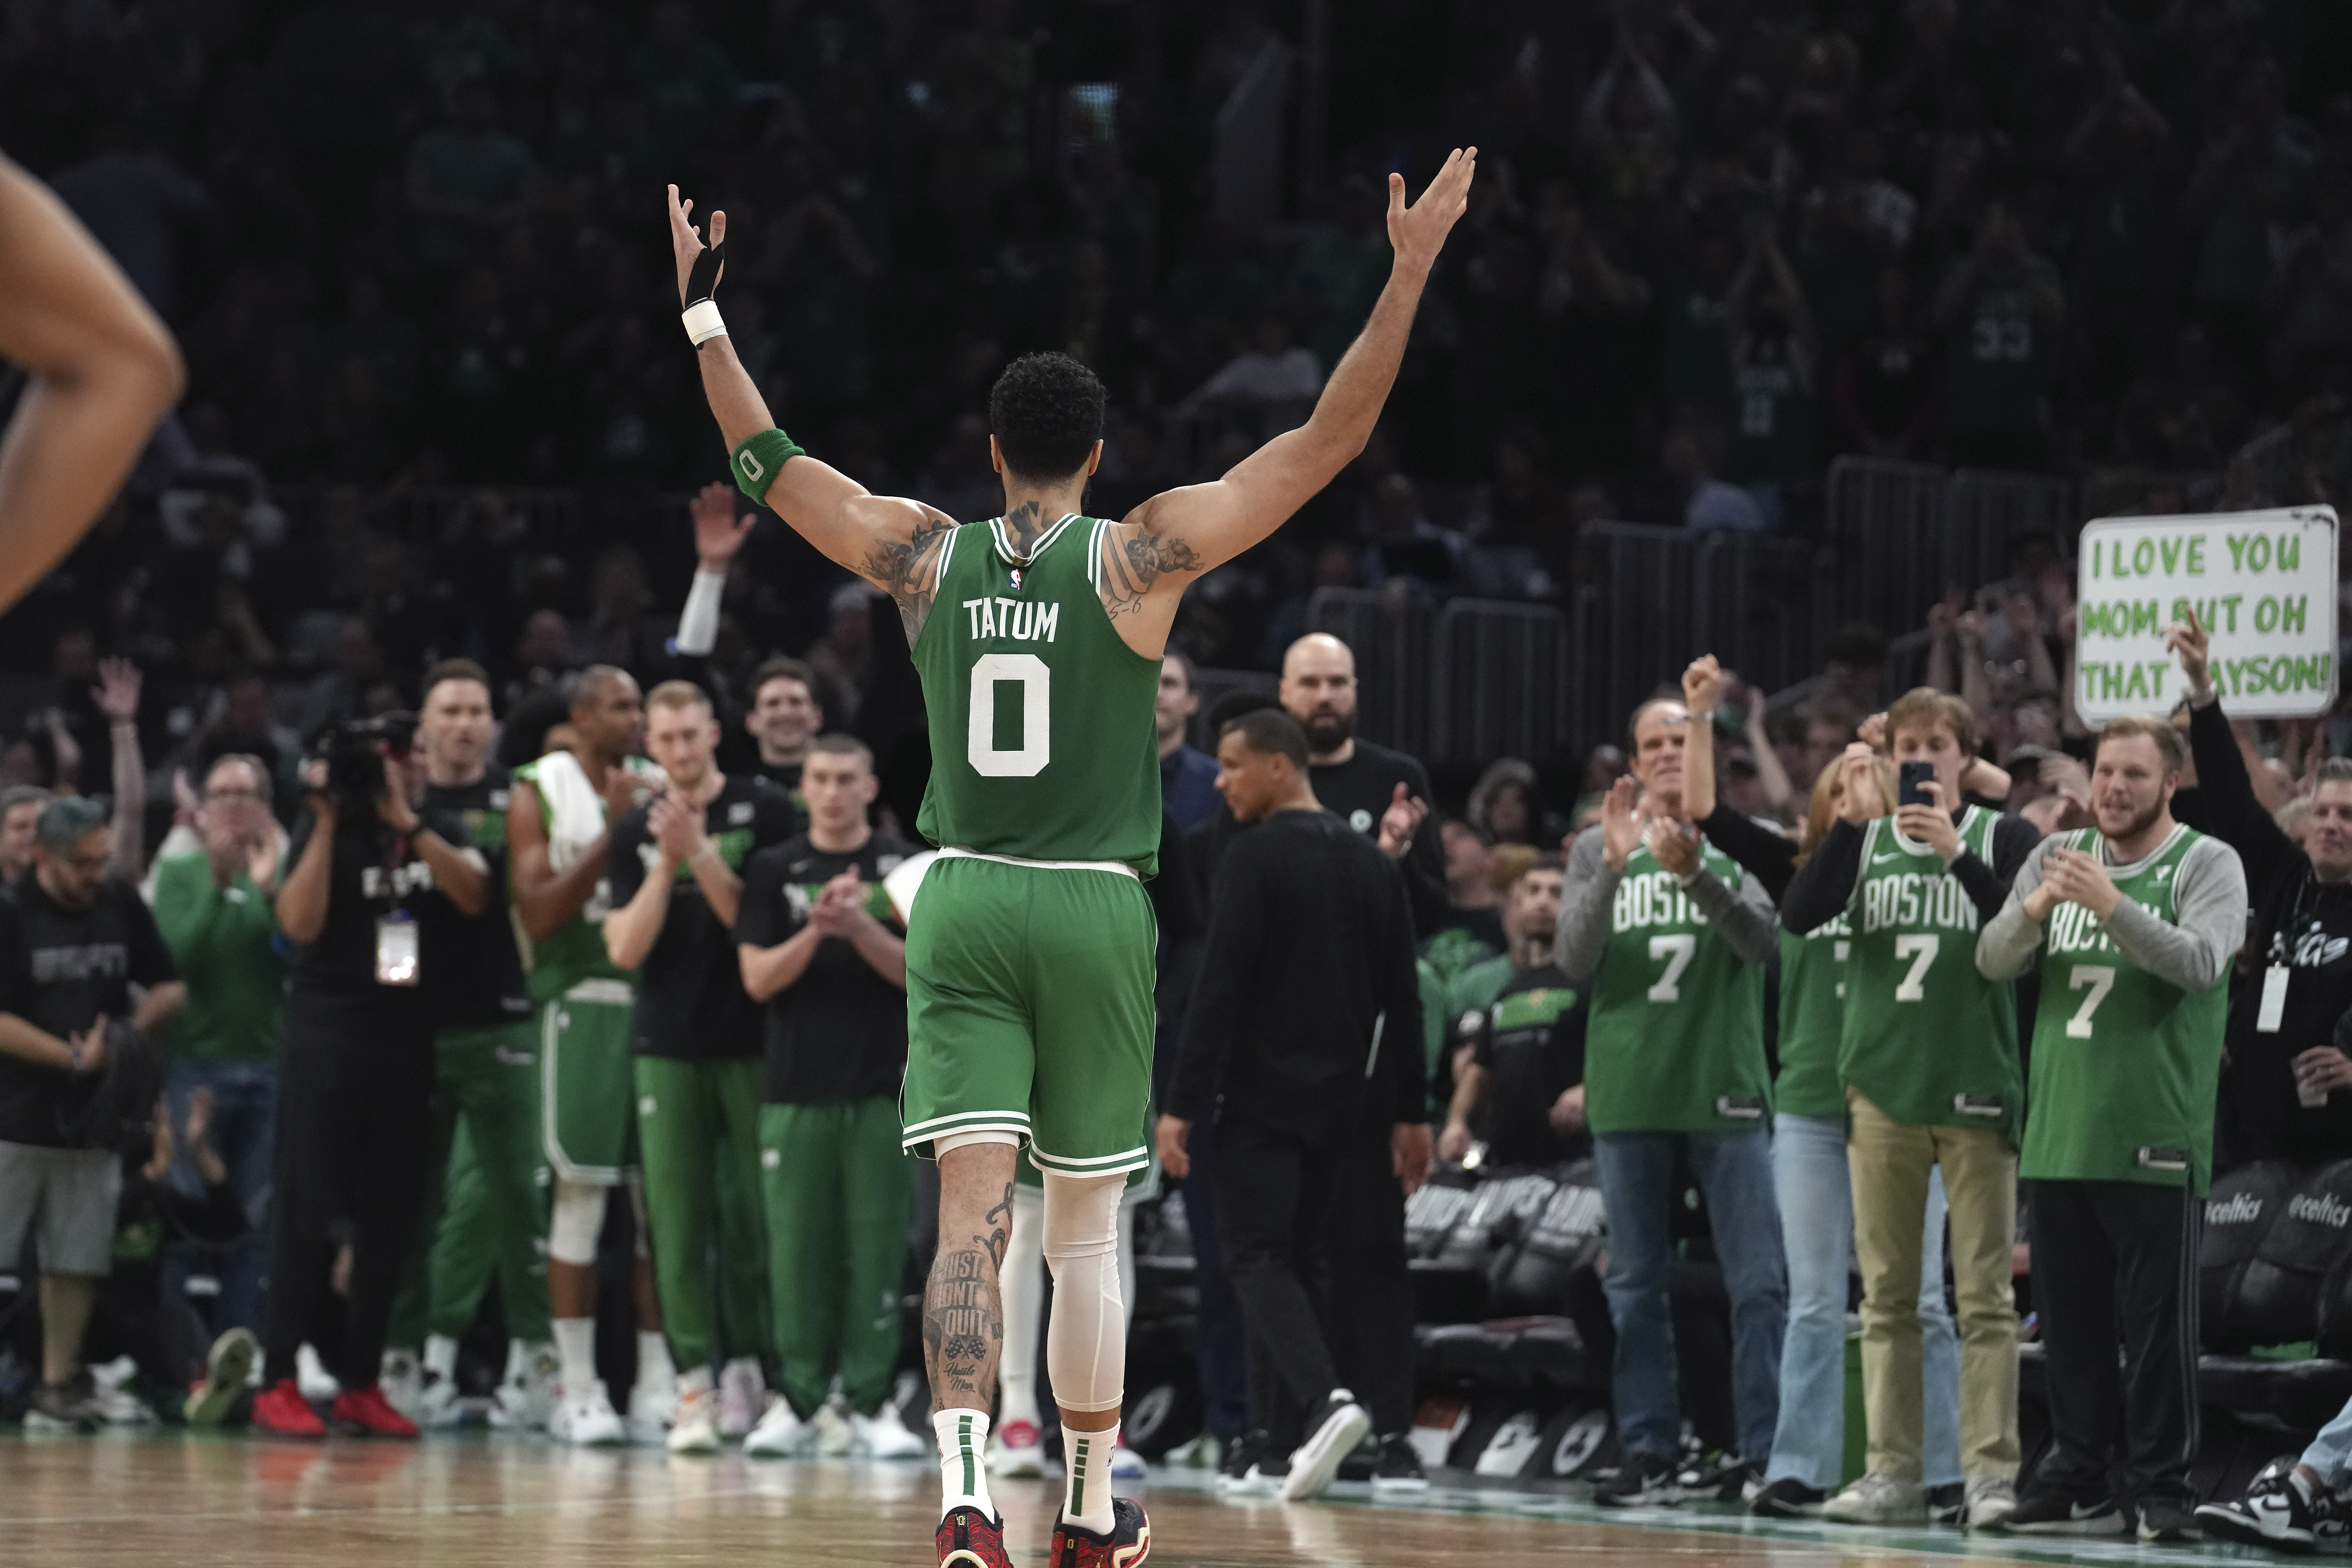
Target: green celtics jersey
{"type": "Point", "coordinates": [2125, 1065]}
{"type": "Point", "coordinates": [573, 815]}
{"type": "Point", "coordinates": [1675, 1039]}
{"type": "Point", "coordinates": [1043, 742]}
{"type": "Point", "coordinates": [1926, 1039]}
{"type": "Point", "coordinates": [1812, 1016]}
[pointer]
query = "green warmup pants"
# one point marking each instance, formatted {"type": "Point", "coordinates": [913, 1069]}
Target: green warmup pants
{"type": "Point", "coordinates": [487, 1210]}
{"type": "Point", "coordinates": [840, 1197]}
{"type": "Point", "coordinates": [698, 1138]}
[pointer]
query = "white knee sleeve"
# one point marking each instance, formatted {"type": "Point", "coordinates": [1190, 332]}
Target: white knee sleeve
{"type": "Point", "coordinates": [574, 1223]}
{"type": "Point", "coordinates": [1085, 1342]}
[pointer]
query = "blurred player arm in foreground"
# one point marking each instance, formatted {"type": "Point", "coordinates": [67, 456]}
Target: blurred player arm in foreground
{"type": "Point", "coordinates": [892, 542]}
{"type": "Point", "coordinates": [103, 369]}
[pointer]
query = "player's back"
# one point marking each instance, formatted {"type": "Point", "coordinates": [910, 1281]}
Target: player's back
{"type": "Point", "coordinates": [1042, 741]}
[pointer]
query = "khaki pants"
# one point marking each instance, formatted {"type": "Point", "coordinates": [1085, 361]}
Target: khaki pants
{"type": "Point", "coordinates": [1890, 1164]}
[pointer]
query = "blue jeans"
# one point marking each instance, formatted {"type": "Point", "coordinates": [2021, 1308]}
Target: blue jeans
{"type": "Point", "coordinates": [1637, 1184]}
{"type": "Point", "coordinates": [2330, 1453]}
{"type": "Point", "coordinates": [1815, 1185]}
{"type": "Point", "coordinates": [244, 1135]}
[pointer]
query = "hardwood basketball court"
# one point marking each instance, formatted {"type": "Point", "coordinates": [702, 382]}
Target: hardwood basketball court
{"type": "Point", "coordinates": [244, 1502]}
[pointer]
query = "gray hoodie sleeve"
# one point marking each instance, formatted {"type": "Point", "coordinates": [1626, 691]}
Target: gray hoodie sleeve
{"type": "Point", "coordinates": [2208, 902]}
{"type": "Point", "coordinates": [1746, 918]}
{"type": "Point", "coordinates": [1584, 910]}
{"type": "Point", "coordinates": [2006, 946]}
{"type": "Point", "coordinates": [2209, 907]}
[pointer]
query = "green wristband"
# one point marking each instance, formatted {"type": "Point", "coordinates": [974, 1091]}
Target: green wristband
{"type": "Point", "coordinates": [757, 460]}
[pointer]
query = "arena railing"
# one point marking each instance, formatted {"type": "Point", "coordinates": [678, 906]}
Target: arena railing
{"type": "Point", "coordinates": [1390, 631]}
{"type": "Point", "coordinates": [1504, 683]}
{"type": "Point", "coordinates": [1882, 520]}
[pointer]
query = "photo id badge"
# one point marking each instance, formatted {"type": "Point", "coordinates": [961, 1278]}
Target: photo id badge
{"type": "Point", "coordinates": [395, 950]}
{"type": "Point", "coordinates": [2274, 1007]}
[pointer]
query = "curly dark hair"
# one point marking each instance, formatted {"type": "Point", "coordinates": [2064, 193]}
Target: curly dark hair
{"type": "Point", "coordinates": [1046, 414]}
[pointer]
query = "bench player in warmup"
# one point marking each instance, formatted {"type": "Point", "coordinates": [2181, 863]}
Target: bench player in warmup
{"type": "Point", "coordinates": [1029, 972]}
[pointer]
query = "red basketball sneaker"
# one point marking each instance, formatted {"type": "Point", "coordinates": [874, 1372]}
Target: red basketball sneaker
{"type": "Point", "coordinates": [280, 1408]}
{"type": "Point", "coordinates": [1127, 1542]}
{"type": "Point", "coordinates": [970, 1539]}
{"type": "Point", "coordinates": [367, 1412]}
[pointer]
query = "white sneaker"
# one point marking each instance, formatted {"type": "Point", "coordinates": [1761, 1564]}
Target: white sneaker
{"type": "Point", "coordinates": [587, 1420]}
{"type": "Point", "coordinates": [883, 1435]}
{"type": "Point", "coordinates": [112, 1397]}
{"type": "Point", "coordinates": [1202, 1453]}
{"type": "Point", "coordinates": [1991, 1499]}
{"type": "Point", "coordinates": [525, 1399]}
{"type": "Point", "coordinates": [695, 1429]}
{"type": "Point", "coordinates": [742, 1393]}
{"type": "Point", "coordinates": [781, 1435]}
{"type": "Point", "coordinates": [1878, 1500]}
{"type": "Point", "coordinates": [402, 1382]}
{"type": "Point", "coordinates": [437, 1405]}
{"type": "Point", "coordinates": [832, 1424]}
{"type": "Point", "coordinates": [1127, 1465]}
{"type": "Point", "coordinates": [653, 1406]}
{"type": "Point", "coordinates": [1016, 1451]}
{"type": "Point", "coordinates": [310, 1375]}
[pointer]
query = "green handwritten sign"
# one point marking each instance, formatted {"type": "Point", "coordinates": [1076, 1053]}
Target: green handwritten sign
{"type": "Point", "coordinates": [2263, 583]}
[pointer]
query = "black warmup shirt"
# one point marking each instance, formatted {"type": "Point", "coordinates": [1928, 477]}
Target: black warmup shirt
{"type": "Point", "coordinates": [473, 974]}
{"type": "Point", "coordinates": [1307, 970]}
{"type": "Point", "coordinates": [375, 875]}
{"type": "Point", "coordinates": [1532, 1043]}
{"type": "Point", "coordinates": [839, 1032]}
{"type": "Point", "coordinates": [1359, 791]}
{"type": "Point", "coordinates": [690, 999]}
{"type": "Point", "coordinates": [785, 776]}
{"type": "Point", "coordinates": [60, 970]}
{"type": "Point", "coordinates": [2300, 923]}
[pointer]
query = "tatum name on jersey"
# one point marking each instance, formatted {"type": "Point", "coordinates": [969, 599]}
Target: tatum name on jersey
{"type": "Point", "coordinates": [1043, 743]}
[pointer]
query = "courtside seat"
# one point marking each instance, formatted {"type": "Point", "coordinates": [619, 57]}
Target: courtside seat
{"type": "Point", "coordinates": [2299, 1395]}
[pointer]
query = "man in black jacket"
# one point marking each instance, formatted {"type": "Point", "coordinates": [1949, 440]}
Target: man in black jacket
{"type": "Point", "coordinates": [1310, 948]}
{"type": "Point", "coordinates": [2282, 1067]}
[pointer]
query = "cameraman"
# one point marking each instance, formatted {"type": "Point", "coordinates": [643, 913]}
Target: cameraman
{"type": "Point", "coordinates": [357, 1090]}
{"type": "Point", "coordinates": [73, 941]}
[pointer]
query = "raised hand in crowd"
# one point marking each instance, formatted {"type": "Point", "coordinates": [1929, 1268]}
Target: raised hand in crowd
{"type": "Point", "coordinates": [718, 533]}
{"type": "Point", "coordinates": [623, 789]}
{"type": "Point", "coordinates": [840, 909]}
{"type": "Point", "coordinates": [1858, 779]}
{"type": "Point", "coordinates": [117, 691]}
{"type": "Point", "coordinates": [2072, 876]}
{"type": "Point", "coordinates": [2190, 641]}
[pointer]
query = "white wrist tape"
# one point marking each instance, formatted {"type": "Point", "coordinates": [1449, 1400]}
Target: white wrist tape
{"type": "Point", "coordinates": [702, 322]}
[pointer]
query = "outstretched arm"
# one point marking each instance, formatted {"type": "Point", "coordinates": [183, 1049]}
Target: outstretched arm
{"type": "Point", "coordinates": [1170, 539]}
{"type": "Point", "coordinates": [890, 541]}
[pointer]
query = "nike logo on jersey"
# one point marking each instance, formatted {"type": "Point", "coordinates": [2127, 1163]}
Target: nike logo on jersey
{"type": "Point", "coordinates": [1015, 618]}
{"type": "Point", "coordinates": [798, 866]}
{"type": "Point", "coordinates": [1882, 859]}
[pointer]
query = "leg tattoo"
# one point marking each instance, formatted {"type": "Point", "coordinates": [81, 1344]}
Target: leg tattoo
{"type": "Point", "coordinates": [963, 1325]}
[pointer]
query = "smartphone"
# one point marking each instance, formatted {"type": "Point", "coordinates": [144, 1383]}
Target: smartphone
{"type": "Point", "coordinates": [1909, 781]}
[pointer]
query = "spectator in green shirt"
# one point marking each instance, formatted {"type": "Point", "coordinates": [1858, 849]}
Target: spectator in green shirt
{"type": "Point", "coordinates": [214, 907]}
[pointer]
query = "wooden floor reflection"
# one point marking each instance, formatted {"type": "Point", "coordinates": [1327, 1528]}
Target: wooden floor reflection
{"type": "Point", "coordinates": [516, 1503]}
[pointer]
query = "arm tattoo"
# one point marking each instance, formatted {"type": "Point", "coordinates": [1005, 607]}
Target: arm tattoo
{"type": "Point", "coordinates": [1131, 565]}
{"type": "Point", "coordinates": [907, 569]}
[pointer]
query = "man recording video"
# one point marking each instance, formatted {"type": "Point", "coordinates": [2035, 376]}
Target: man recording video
{"type": "Point", "coordinates": [357, 1090]}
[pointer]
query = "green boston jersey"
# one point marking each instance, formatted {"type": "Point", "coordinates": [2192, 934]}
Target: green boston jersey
{"type": "Point", "coordinates": [1926, 1039]}
{"type": "Point", "coordinates": [1674, 1042]}
{"type": "Point", "coordinates": [1042, 741]}
{"type": "Point", "coordinates": [2125, 1065]}
{"type": "Point", "coordinates": [1812, 1014]}
{"type": "Point", "coordinates": [573, 816]}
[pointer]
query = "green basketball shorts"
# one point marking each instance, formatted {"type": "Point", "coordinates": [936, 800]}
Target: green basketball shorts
{"type": "Point", "coordinates": [587, 1087]}
{"type": "Point", "coordinates": [1029, 1011]}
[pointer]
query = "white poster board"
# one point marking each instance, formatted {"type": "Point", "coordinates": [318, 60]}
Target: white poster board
{"type": "Point", "coordinates": [2263, 583]}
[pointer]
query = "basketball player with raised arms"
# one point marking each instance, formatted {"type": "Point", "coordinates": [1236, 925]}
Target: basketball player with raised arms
{"type": "Point", "coordinates": [1038, 638]}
